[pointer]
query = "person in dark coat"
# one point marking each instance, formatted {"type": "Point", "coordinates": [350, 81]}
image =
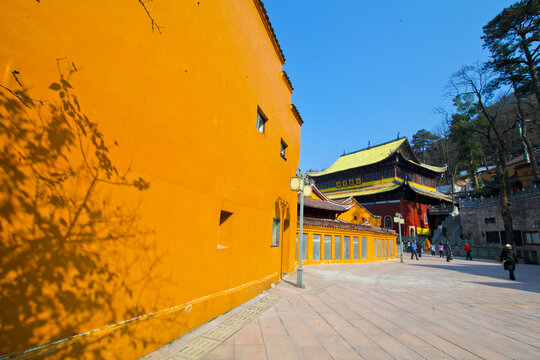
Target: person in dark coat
{"type": "Point", "coordinates": [510, 261]}
{"type": "Point", "coordinates": [448, 252]}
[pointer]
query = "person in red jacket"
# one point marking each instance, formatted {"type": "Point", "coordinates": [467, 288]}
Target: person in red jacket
{"type": "Point", "coordinates": [467, 249]}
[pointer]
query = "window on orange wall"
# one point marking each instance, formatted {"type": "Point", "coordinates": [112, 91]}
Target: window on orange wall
{"type": "Point", "coordinates": [364, 248]}
{"type": "Point", "coordinates": [337, 247]}
{"type": "Point", "coordinates": [303, 252]}
{"type": "Point", "coordinates": [316, 247]}
{"type": "Point", "coordinates": [225, 230]}
{"type": "Point", "coordinates": [346, 248]}
{"type": "Point", "coordinates": [283, 150]}
{"type": "Point", "coordinates": [355, 247]}
{"type": "Point", "coordinates": [275, 231]}
{"type": "Point", "coordinates": [327, 247]}
{"type": "Point", "coordinates": [388, 222]}
{"type": "Point", "coordinates": [261, 121]}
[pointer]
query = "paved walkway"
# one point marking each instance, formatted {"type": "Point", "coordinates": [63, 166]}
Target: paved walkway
{"type": "Point", "coordinates": [426, 309]}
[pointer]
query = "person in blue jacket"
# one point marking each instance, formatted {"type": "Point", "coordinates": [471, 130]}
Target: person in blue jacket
{"type": "Point", "coordinates": [414, 249]}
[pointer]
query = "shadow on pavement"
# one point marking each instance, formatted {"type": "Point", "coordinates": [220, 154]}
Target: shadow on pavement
{"type": "Point", "coordinates": [528, 276]}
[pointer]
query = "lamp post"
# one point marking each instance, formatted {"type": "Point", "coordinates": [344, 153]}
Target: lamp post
{"type": "Point", "coordinates": [302, 184]}
{"type": "Point", "coordinates": [399, 220]}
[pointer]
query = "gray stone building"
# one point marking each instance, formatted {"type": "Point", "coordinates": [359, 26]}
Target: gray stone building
{"type": "Point", "coordinates": [483, 227]}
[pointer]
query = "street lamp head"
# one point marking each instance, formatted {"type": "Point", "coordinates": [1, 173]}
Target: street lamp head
{"type": "Point", "coordinates": [297, 184]}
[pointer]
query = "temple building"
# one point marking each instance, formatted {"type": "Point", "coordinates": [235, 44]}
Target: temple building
{"type": "Point", "coordinates": [327, 238]}
{"type": "Point", "coordinates": [387, 179]}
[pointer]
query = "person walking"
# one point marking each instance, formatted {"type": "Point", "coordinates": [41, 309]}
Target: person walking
{"type": "Point", "coordinates": [441, 249]}
{"type": "Point", "coordinates": [419, 247]}
{"type": "Point", "coordinates": [510, 261]}
{"type": "Point", "coordinates": [433, 250]}
{"type": "Point", "coordinates": [413, 250]}
{"type": "Point", "coordinates": [448, 252]}
{"type": "Point", "coordinates": [409, 245]}
{"type": "Point", "coordinates": [467, 249]}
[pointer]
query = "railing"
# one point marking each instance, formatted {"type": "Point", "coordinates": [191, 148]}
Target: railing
{"type": "Point", "coordinates": [441, 209]}
{"type": "Point", "coordinates": [517, 195]}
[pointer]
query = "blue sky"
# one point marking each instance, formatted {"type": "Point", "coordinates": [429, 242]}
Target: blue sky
{"type": "Point", "coordinates": [366, 70]}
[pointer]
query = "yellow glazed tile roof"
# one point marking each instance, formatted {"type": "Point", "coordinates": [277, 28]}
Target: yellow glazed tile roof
{"type": "Point", "coordinates": [362, 157]}
{"type": "Point", "coordinates": [371, 156]}
{"type": "Point", "coordinates": [433, 168]}
{"type": "Point", "coordinates": [433, 194]}
{"type": "Point", "coordinates": [367, 190]}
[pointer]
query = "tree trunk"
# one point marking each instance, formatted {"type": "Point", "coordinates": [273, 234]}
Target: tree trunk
{"type": "Point", "coordinates": [504, 190]}
{"type": "Point", "coordinates": [535, 172]}
{"type": "Point", "coordinates": [535, 176]}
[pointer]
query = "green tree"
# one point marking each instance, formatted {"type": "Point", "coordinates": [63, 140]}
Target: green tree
{"type": "Point", "coordinates": [513, 38]}
{"type": "Point", "coordinates": [421, 141]}
{"type": "Point", "coordinates": [478, 112]}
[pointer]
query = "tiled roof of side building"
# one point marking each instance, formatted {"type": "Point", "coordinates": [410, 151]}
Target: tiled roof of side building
{"type": "Point", "coordinates": [325, 205]}
{"type": "Point", "coordinates": [372, 155]}
{"type": "Point", "coordinates": [340, 224]}
{"type": "Point", "coordinates": [352, 201]}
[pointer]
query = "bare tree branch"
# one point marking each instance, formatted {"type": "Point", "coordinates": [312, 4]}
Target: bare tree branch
{"type": "Point", "coordinates": [155, 25]}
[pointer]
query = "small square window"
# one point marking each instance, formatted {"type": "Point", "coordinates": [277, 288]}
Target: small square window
{"type": "Point", "coordinates": [225, 230]}
{"type": "Point", "coordinates": [358, 181]}
{"type": "Point", "coordinates": [338, 184]}
{"type": "Point", "coordinates": [261, 122]}
{"type": "Point", "coordinates": [351, 182]}
{"type": "Point", "coordinates": [283, 150]}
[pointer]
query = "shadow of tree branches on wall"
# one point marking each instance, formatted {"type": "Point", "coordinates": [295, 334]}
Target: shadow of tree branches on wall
{"type": "Point", "coordinates": [72, 259]}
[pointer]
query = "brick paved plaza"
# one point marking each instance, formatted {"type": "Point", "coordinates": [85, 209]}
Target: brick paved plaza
{"type": "Point", "coordinates": [426, 309]}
